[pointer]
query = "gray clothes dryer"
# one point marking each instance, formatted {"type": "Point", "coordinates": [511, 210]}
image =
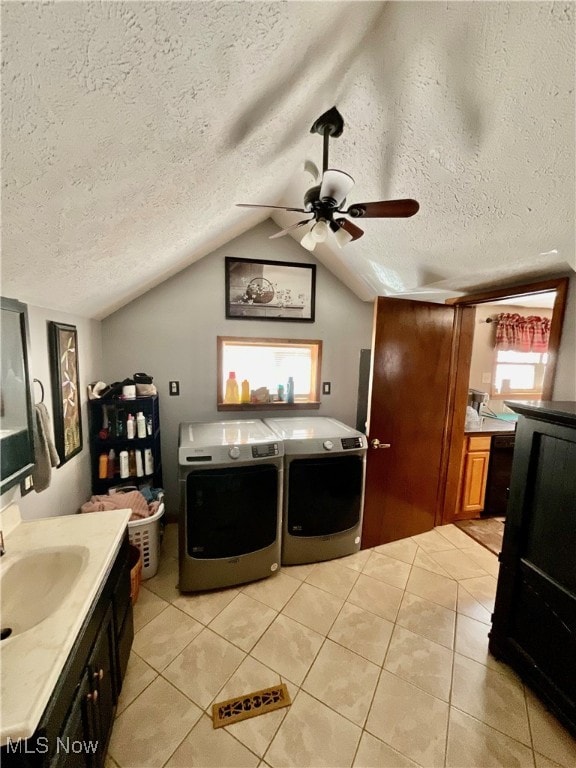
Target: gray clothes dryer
{"type": "Point", "coordinates": [231, 486]}
{"type": "Point", "coordinates": [324, 471]}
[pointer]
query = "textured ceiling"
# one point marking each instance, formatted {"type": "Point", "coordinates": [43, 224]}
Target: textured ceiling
{"type": "Point", "coordinates": [130, 130]}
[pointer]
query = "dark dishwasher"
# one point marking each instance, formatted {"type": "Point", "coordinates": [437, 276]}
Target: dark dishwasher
{"type": "Point", "coordinates": [499, 471]}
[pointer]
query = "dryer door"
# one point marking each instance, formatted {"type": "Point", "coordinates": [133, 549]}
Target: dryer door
{"type": "Point", "coordinates": [324, 495]}
{"type": "Point", "coordinates": [231, 511]}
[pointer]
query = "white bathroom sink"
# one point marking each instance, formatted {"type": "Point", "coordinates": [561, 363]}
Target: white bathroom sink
{"type": "Point", "coordinates": [35, 584]}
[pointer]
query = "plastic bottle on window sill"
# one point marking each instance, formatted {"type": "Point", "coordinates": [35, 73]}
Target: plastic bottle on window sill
{"type": "Point", "coordinates": [245, 397]}
{"type": "Point", "coordinates": [232, 396]}
{"type": "Point", "coordinates": [290, 390]}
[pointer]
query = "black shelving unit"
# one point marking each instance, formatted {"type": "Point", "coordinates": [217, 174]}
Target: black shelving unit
{"type": "Point", "coordinates": [111, 411]}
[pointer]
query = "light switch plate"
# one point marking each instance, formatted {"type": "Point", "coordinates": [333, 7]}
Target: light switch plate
{"type": "Point", "coordinates": [174, 388]}
{"type": "Point", "coordinates": [486, 378]}
{"type": "Point", "coordinates": [326, 387]}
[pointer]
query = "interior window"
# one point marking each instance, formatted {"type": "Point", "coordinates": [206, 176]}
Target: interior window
{"type": "Point", "coordinates": [519, 374]}
{"type": "Point", "coordinates": [269, 363]}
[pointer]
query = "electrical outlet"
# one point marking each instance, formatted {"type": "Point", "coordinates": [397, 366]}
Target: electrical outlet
{"type": "Point", "coordinates": [174, 388]}
{"type": "Point", "coordinates": [326, 387]}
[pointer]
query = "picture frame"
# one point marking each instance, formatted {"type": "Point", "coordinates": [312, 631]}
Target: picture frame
{"type": "Point", "coordinates": [65, 378]}
{"type": "Point", "coordinates": [257, 289]}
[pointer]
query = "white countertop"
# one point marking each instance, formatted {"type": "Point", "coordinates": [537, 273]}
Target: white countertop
{"type": "Point", "coordinates": [31, 662]}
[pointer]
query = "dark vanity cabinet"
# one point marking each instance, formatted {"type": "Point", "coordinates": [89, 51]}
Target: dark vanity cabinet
{"type": "Point", "coordinates": [75, 728]}
{"type": "Point", "coordinates": [534, 620]}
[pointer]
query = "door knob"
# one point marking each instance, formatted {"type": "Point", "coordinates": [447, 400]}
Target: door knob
{"type": "Point", "coordinates": [375, 443]}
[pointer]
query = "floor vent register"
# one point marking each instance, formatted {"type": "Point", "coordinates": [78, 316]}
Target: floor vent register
{"type": "Point", "coordinates": [252, 704]}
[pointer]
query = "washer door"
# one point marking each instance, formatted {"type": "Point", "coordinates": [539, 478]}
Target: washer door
{"type": "Point", "coordinates": [231, 512]}
{"type": "Point", "coordinates": [324, 495]}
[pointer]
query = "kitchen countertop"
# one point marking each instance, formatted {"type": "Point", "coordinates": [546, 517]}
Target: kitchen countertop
{"type": "Point", "coordinates": [33, 660]}
{"type": "Point", "coordinates": [491, 426]}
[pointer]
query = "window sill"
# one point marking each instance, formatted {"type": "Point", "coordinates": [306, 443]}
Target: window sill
{"type": "Point", "coordinates": [273, 406]}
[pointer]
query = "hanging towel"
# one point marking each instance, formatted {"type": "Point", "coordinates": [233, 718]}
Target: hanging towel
{"type": "Point", "coordinates": [45, 452]}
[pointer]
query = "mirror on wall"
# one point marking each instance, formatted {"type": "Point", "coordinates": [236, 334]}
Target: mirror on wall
{"type": "Point", "coordinates": [16, 435]}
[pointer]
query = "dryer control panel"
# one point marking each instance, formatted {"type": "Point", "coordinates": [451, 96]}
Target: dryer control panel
{"type": "Point", "coordinates": [264, 451]}
{"type": "Point", "coordinates": [349, 443]}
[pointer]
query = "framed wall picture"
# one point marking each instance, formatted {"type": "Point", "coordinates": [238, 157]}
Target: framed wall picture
{"type": "Point", "coordinates": [270, 290]}
{"type": "Point", "coordinates": [63, 346]}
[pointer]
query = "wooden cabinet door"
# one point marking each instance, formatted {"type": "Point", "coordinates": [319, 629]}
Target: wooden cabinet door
{"type": "Point", "coordinates": [102, 677]}
{"type": "Point", "coordinates": [475, 475]}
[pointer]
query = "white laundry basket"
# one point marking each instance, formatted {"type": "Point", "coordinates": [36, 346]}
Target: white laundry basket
{"type": "Point", "coordinates": [145, 534]}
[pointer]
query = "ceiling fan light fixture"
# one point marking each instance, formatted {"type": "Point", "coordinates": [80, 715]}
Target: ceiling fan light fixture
{"type": "Point", "coordinates": [342, 237]}
{"type": "Point", "coordinates": [335, 186]}
{"type": "Point", "coordinates": [308, 241]}
{"type": "Point", "coordinates": [320, 231]}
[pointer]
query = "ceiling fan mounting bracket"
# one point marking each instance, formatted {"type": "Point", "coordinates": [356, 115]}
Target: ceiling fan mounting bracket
{"type": "Point", "coordinates": [331, 122]}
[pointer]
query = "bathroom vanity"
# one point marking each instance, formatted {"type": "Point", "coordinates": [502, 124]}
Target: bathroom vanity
{"type": "Point", "coordinates": [61, 677]}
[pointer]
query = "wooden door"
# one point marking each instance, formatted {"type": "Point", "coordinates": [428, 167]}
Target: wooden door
{"type": "Point", "coordinates": [417, 398]}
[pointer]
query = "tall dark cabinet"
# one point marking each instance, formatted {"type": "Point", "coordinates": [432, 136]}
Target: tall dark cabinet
{"type": "Point", "coordinates": [534, 620]}
{"type": "Point", "coordinates": [108, 431]}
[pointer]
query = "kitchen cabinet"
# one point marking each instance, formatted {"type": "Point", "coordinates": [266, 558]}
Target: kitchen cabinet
{"type": "Point", "coordinates": [475, 459]}
{"type": "Point", "coordinates": [534, 619]}
{"type": "Point", "coordinates": [76, 725]}
{"type": "Point", "coordinates": [108, 432]}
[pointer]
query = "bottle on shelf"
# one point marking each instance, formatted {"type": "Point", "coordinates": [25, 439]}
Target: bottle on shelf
{"type": "Point", "coordinates": [132, 463]}
{"type": "Point", "coordinates": [149, 424]}
{"type": "Point", "coordinates": [140, 425]}
{"type": "Point", "coordinates": [130, 427]}
{"type": "Point", "coordinates": [103, 466]}
{"type": "Point", "coordinates": [245, 397]}
{"type": "Point", "coordinates": [120, 418]}
{"type": "Point", "coordinates": [148, 462]}
{"type": "Point", "coordinates": [280, 392]}
{"type": "Point", "coordinates": [124, 465]}
{"type": "Point", "coordinates": [139, 464]}
{"type": "Point", "coordinates": [111, 464]}
{"type": "Point", "coordinates": [290, 390]}
{"type": "Point", "coordinates": [232, 395]}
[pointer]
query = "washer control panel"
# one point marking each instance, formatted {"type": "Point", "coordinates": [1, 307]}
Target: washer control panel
{"type": "Point", "coordinates": [264, 450]}
{"type": "Point", "coordinates": [328, 445]}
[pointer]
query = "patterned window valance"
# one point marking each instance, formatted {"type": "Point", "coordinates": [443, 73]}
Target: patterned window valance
{"type": "Point", "coordinates": [522, 334]}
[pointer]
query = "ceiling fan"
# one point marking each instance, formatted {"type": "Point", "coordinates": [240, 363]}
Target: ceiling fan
{"type": "Point", "coordinates": [325, 202]}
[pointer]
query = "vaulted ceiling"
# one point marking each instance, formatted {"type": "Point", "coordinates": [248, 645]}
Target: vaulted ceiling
{"type": "Point", "coordinates": [131, 129]}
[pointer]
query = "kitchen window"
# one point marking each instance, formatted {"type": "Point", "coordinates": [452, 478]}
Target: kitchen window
{"type": "Point", "coordinates": [518, 374]}
{"type": "Point", "coordinates": [267, 364]}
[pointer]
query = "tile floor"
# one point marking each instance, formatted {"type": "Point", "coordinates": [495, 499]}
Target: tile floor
{"type": "Point", "coordinates": [384, 654]}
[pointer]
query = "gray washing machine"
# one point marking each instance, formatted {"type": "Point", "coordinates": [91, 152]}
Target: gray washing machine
{"type": "Point", "coordinates": [231, 486]}
{"type": "Point", "coordinates": [324, 472]}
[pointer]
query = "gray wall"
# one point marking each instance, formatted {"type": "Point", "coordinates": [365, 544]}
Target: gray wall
{"type": "Point", "coordinates": [171, 333]}
{"type": "Point", "coordinates": [70, 484]}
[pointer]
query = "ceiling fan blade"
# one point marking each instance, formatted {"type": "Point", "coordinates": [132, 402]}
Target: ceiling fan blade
{"type": "Point", "coordinates": [335, 186]}
{"type": "Point", "coordinates": [354, 231]}
{"type": "Point", "coordinates": [386, 209]}
{"type": "Point", "coordinates": [311, 168]}
{"type": "Point", "coordinates": [285, 231]}
{"type": "Point", "coordinates": [280, 207]}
